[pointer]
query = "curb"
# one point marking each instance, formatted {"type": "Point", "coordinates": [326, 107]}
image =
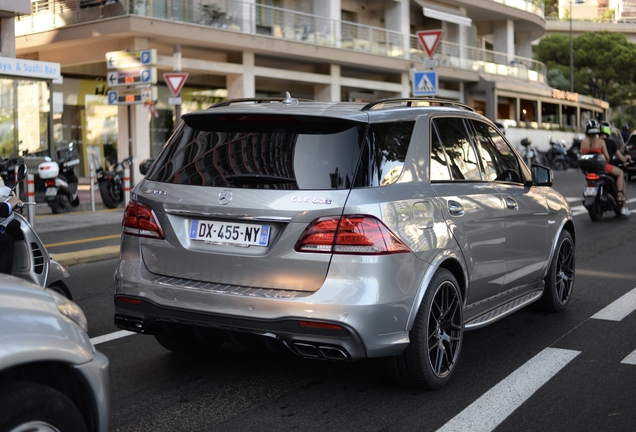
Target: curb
{"type": "Point", "coordinates": [86, 256]}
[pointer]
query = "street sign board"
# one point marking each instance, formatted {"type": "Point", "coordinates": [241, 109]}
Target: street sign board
{"type": "Point", "coordinates": [431, 63]}
{"type": "Point", "coordinates": [132, 77]}
{"type": "Point", "coordinates": [134, 96]}
{"type": "Point", "coordinates": [175, 101]}
{"type": "Point", "coordinates": [175, 81]}
{"type": "Point", "coordinates": [425, 83]}
{"type": "Point", "coordinates": [129, 59]}
{"type": "Point", "coordinates": [430, 39]}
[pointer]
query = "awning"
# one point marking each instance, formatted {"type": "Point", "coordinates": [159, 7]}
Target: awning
{"type": "Point", "coordinates": [442, 13]}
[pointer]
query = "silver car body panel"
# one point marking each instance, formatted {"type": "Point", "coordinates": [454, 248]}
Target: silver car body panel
{"type": "Point", "coordinates": [375, 297]}
{"type": "Point", "coordinates": [33, 330]}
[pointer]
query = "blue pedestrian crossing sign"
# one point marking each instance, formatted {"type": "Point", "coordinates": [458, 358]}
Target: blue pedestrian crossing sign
{"type": "Point", "coordinates": [425, 83]}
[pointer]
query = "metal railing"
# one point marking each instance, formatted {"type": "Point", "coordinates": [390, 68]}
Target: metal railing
{"type": "Point", "coordinates": [238, 16]}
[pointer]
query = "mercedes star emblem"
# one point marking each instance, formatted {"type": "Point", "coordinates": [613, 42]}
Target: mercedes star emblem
{"type": "Point", "coordinates": [225, 197]}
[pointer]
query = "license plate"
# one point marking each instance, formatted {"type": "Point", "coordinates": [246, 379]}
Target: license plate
{"type": "Point", "coordinates": [230, 233]}
{"type": "Point", "coordinates": [590, 191]}
{"type": "Point", "coordinates": [51, 192]}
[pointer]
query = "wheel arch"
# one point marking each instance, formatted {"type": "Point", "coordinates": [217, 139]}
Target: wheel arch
{"type": "Point", "coordinates": [568, 226]}
{"type": "Point", "coordinates": [65, 379]}
{"type": "Point", "coordinates": [449, 260]}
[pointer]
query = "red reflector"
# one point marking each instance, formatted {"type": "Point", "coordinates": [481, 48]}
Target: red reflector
{"type": "Point", "coordinates": [44, 168]}
{"type": "Point", "coordinates": [50, 183]}
{"type": "Point", "coordinates": [140, 220]}
{"type": "Point", "coordinates": [350, 234]}
{"type": "Point", "coordinates": [314, 324]}
{"type": "Point", "coordinates": [128, 300]}
{"type": "Point", "coordinates": [591, 176]}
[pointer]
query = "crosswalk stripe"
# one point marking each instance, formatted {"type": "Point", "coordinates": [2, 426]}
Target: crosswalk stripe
{"type": "Point", "coordinates": [618, 309]}
{"type": "Point", "coordinates": [111, 336]}
{"type": "Point", "coordinates": [487, 412]}
{"type": "Point", "coordinates": [630, 359]}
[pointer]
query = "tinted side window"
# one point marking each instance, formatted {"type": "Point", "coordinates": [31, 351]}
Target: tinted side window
{"type": "Point", "coordinates": [438, 164]}
{"type": "Point", "coordinates": [384, 153]}
{"type": "Point", "coordinates": [498, 159]}
{"type": "Point", "coordinates": [461, 154]}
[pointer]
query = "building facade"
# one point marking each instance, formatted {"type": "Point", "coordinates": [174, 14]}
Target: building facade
{"type": "Point", "coordinates": [329, 50]}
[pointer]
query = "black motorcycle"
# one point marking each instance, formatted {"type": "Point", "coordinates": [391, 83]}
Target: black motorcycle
{"type": "Point", "coordinates": [557, 155]}
{"type": "Point", "coordinates": [111, 183]}
{"type": "Point", "coordinates": [600, 194]}
{"type": "Point", "coordinates": [574, 152]}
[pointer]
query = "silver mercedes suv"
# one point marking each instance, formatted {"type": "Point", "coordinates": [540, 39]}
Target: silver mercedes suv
{"type": "Point", "coordinates": [342, 231]}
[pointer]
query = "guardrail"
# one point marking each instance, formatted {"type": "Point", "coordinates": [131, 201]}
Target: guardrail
{"type": "Point", "coordinates": [238, 16]}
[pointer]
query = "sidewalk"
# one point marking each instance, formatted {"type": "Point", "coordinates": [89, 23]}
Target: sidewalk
{"type": "Point", "coordinates": [46, 221]}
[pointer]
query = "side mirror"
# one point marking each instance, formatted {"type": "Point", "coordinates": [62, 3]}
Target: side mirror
{"type": "Point", "coordinates": [542, 176]}
{"type": "Point", "coordinates": [22, 172]}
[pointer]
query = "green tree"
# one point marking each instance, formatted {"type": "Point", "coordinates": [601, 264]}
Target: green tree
{"type": "Point", "coordinates": [604, 64]}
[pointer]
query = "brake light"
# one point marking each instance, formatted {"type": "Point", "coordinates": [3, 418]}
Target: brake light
{"type": "Point", "coordinates": [50, 183]}
{"type": "Point", "coordinates": [591, 176]}
{"type": "Point", "coordinates": [350, 234]}
{"type": "Point", "coordinates": [140, 220]}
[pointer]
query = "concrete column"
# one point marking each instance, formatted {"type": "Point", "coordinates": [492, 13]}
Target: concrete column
{"type": "Point", "coordinates": [504, 38]}
{"type": "Point", "coordinates": [491, 102]}
{"type": "Point", "coordinates": [7, 38]}
{"type": "Point", "coordinates": [140, 136]}
{"type": "Point", "coordinates": [242, 86]}
{"type": "Point", "coordinates": [524, 44]}
{"type": "Point", "coordinates": [406, 84]}
{"type": "Point", "coordinates": [329, 92]}
{"type": "Point", "coordinates": [539, 113]}
{"type": "Point", "coordinates": [397, 18]}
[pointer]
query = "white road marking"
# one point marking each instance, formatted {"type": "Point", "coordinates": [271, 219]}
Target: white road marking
{"type": "Point", "coordinates": [111, 336]}
{"type": "Point", "coordinates": [618, 309]}
{"type": "Point", "coordinates": [630, 359]}
{"type": "Point", "coordinates": [487, 412]}
{"type": "Point", "coordinates": [579, 209]}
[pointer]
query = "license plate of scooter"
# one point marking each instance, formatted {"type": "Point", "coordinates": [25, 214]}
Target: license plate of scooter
{"type": "Point", "coordinates": [51, 192]}
{"type": "Point", "coordinates": [590, 191]}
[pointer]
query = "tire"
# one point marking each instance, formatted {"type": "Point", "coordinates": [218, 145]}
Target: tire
{"type": "Point", "coordinates": [430, 360]}
{"type": "Point", "coordinates": [595, 211]}
{"type": "Point", "coordinates": [36, 407]}
{"type": "Point", "coordinates": [111, 196]}
{"type": "Point", "coordinates": [187, 343]}
{"type": "Point", "coordinates": [559, 281]}
{"type": "Point", "coordinates": [61, 289]}
{"type": "Point", "coordinates": [76, 201]}
{"type": "Point", "coordinates": [60, 204]}
{"type": "Point", "coordinates": [560, 165]}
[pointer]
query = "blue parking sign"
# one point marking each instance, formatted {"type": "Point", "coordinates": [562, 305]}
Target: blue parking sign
{"type": "Point", "coordinates": [145, 57]}
{"type": "Point", "coordinates": [113, 95]}
{"type": "Point", "coordinates": [425, 83]}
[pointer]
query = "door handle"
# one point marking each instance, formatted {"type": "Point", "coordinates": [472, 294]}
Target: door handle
{"type": "Point", "coordinates": [511, 204]}
{"type": "Point", "coordinates": [455, 208]}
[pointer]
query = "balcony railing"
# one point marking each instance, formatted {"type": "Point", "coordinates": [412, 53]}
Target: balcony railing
{"type": "Point", "coordinates": [237, 16]}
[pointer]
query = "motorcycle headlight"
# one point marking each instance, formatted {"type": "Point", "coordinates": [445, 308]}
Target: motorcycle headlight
{"type": "Point", "coordinates": [70, 310]}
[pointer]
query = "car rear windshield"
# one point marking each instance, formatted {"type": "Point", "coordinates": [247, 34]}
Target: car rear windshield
{"type": "Point", "coordinates": [279, 152]}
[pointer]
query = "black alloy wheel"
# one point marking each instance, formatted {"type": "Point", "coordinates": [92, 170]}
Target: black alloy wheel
{"type": "Point", "coordinates": [436, 337]}
{"type": "Point", "coordinates": [559, 281]}
{"type": "Point", "coordinates": [111, 193]}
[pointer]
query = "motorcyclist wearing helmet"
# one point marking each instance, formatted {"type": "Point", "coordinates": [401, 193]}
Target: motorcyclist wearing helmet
{"type": "Point", "coordinates": [612, 146]}
{"type": "Point", "coordinates": [595, 144]}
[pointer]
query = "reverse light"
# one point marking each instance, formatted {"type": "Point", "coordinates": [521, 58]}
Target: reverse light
{"type": "Point", "coordinates": [140, 220]}
{"type": "Point", "coordinates": [350, 234]}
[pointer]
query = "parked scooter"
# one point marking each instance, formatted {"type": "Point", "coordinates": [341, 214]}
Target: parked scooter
{"type": "Point", "coordinates": [111, 183]}
{"type": "Point", "coordinates": [31, 260]}
{"type": "Point", "coordinates": [600, 194]}
{"type": "Point", "coordinates": [7, 169]}
{"type": "Point", "coordinates": [574, 152]}
{"type": "Point", "coordinates": [61, 182]}
{"type": "Point", "coordinates": [531, 155]}
{"type": "Point", "coordinates": [557, 155]}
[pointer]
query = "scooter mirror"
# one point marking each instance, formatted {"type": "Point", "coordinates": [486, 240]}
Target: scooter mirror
{"type": "Point", "coordinates": [22, 172]}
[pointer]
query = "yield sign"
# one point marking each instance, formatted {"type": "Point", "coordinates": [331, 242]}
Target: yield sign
{"type": "Point", "coordinates": [430, 39]}
{"type": "Point", "coordinates": [175, 81]}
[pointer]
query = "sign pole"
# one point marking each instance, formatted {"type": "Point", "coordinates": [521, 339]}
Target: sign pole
{"type": "Point", "coordinates": [177, 68]}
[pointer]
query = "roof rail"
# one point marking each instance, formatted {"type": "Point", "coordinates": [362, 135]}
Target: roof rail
{"type": "Point", "coordinates": [287, 100]}
{"type": "Point", "coordinates": [381, 103]}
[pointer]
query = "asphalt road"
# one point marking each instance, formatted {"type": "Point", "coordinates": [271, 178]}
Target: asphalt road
{"type": "Point", "coordinates": [531, 371]}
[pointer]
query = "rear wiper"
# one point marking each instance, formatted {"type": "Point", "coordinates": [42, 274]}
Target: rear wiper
{"type": "Point", "coordinates": [257, 178]}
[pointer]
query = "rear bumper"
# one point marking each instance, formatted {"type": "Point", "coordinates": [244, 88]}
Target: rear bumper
{"type": "Point", "coordinates": [371, 309]}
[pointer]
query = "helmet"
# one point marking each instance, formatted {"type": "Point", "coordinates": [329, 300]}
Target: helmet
{"type": "Point", "coordinates": [591, 127]}
{"type": "Point", "coordinates": [605, 130]}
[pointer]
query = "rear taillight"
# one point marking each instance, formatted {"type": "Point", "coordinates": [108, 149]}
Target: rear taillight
{"type": "Point", "coordinates": [140, 220]}
{"type": "Point", "coordinates": [591, 176]}
{"type": "Point", "coordinates": [352, 234]}
{"type": "Point", "coordinates": [50, 183]}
